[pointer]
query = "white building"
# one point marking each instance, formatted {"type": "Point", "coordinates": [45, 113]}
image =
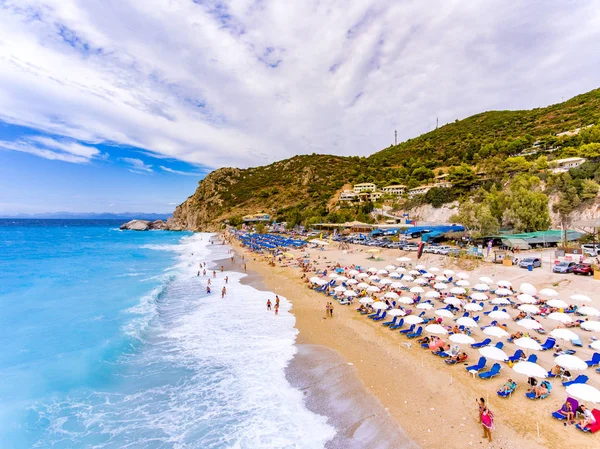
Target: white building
{"type": "Point", "coordinates": [394, 189]}
{"type": "Point", "coordinates": [349, 195]}
{"type": "Point", "coordinates": [564, 165]}
{"type": "Point", "coordinates": [421, 190]}
{"type": "Point", "coordinates": [365, 187]}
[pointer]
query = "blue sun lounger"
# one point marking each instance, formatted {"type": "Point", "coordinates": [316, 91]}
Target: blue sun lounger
{"type": "Point", "coordinates": [560, 416]}
{"type": "Point", "coordinates": [409, 330]}
{"type": "Point", "coordinates": [507, 393]}
{"type": "Point", "coordinates": [531, 394]}
{"type": "Point", "coordinates": [491, 373]}
{"type": "Point", "coordinates": [391, 323]}
{"type": "Point", "coordinates": [481, 344]}
{"type": "Point", "coordinates": [581, 379]}
{"type": "Point", "coordinates": [398, 325]}
{"type": "Point", "coordinates": [595, 361]}
{"type": "Point", "coordinates": [416, 334]}
{"type": "Point", "coordinates": [480, 365]}
{"type": "Point", "coordinates": [381, 317]}
{"type": "Point", "coordinates": [516, 356]}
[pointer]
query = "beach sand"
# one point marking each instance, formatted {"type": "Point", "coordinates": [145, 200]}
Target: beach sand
{"type": "Point", "coordinates": [432, 402]}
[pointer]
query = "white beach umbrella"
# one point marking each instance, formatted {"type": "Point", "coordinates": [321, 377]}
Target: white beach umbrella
{"type": "Point", "coordinates": [448, 272]}
{"type": "Point", "coordinates": [379, 305]}
{"type": "Point", "coordinates": [333, 275]}
{"type": "Point", "coordinates": [432, 294]}
{"type": "Point", "coordinates": [414, 273]}
{"type": "Point", "coordinates": [390, 267]}
{"type": "Point", "coordinates": [466, 321]}
{"type": "Point", "coordinates": [421, 281]}
{"type": "Point", "coordinates": [440, 286]}
{"type": "Point", "coordinates": [417, 290]}
{"type": "Point", "coordinates": [562, 333]}
{"type": "Point", "coordinates": [434, 269]}
{"type": "Point", "coordinates": [339, 289]}
{"type": "Point", "coordinates": [558, 303]}
{"type": "Point", "coordinates": [374, 278]}
{"type": "Point", "coordinates": [500, 301]}
{"type": "Point", "coordinates": [413, 319]}
{"type": "Point", "coordinates": [349, 293]}
{"type": "Point", "coordinates": [560, 316]}
{"type": "Point", "coordinates": [589, 311]}
{"type": "Point", "coordinates": [473, 307]}
{"type": "Point", "coordinates": [420, 267]}
{"type": "Point", "coordinates": [499, 315]}
{"type": "Point", "coordinates": [479, 296]}
{"type": "Point", "coordinates": [385, 281]}
{"type": "Point", "coordinates": [503, 292]}
{"type": "Point", "coordinates": [314, 279]}
{"type": "Point", "coordinates": [373, 289]}
{"type": "Point", "coordinates": [495, 331]}
{"type": "Point", "coordinates": [391, 295]}
{"type": "Point", "coordinates": [353, 272]}
{"type": "Point", "coordinates": [593, 326]}
{"type": "Point", "coordinates": [366, 300]}
{"type": "Point", "coordinates": [486, 280]}
{"type": "Point", "coordinates": [461, 339]}
{"type": "Point", "coordinates": [362, 285]}
{"type": "Point", "coordinates": [528, 343]}
{"type": "Point", "coordinates": [436, 329]}
{"type": "Point", "coordinates": [493, 353]}
{"type": "Point", "coordinates": [584, 392]}
{"type": "Point", "coordinates": [382, 272]}
{"type": "Point", "coordinates": [352, 281]}
{"type": "Point", "coordinates": [548, 293]}
{"type": "Point", "coordinates": [526, 298]}
{"type": "Point", "coordinates": [396, 285]}
{"type": "Point", "coordinates": [463, 283]}
{"type": "Point", "coordinates": [580, 298]}
{"type": "Point", "coordinates": [529, 308]}
{"type": "Point", "coordinates": [527, 289]}
{"type": "Point", "coordinates": [403, 259]}
{"type": "Point", "coordinates": [371, 270]}
{"type": "Point", "coordinates": [462, 275]}
{"type": "Point", "coordinates": [395, 275]}
{"type": "Point", "coordinates": [396, 312]}
{"type": "Point", "coordinates": [504, 283]}
{"type": "Point", "coordinates": [428, 275]}
{"type": "Point", "coordinates": [362, 276]}
{"type": "Point", "coordinates": [444, 313]}
{"type": "Point", "coordinates": [408, 278]}
{"type": "Point", "coordinates": [425, 306]}
{"type": "Point", "coordinates": [401, 270]}
{"type": "Point", "coordinates": [570, 362]}
{"type": "Point", "coordinates": [528, 323]}
{"type": "Point", "coordinates": [595, 345]}
{"type": "Point", "coordinates": [481, 287]}
{"type": "Point", "coordinates": [322, 281]}
{"type": "Point", "coordinates": [405, 300]}
{"type": "Point", "coordinates": [458, 291]}
{"type": "Point", "coordinates": [530, 369]}
{"type": "Point", "coordinates": [452, 300]}
{"type": "Point", "coordinates": [441, 279]}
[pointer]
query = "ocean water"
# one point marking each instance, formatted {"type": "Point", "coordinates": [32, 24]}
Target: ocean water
{"type": "Point", "coordinates": [109, 340]}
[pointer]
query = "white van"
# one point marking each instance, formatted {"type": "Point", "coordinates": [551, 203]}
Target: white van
{"type": "Point", "coordinates": [590, 250]}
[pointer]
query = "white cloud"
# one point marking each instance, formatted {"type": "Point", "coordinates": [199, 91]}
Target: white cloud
{"type": "Point", "coordinates": [178, 172]}
{"type": "Point", "coordinates": [137, 165]}
{"type": "Point", "coordinates": [52, 149]}
{"type": "Point", "coordinates": [246, 82]}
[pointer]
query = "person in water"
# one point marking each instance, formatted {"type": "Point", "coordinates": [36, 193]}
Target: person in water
{"type": "Point", "coordinates": [268, 304]}
{"type": "Point", "coordinates": [276, 309]}
{"type": "Point", "coordinates": [223, 292]}
{"type": "Point", "coordinates": [208, 289]}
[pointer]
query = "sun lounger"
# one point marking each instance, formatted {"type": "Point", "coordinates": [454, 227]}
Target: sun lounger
{"type": "Point", "coordinates": [416, 334]}
{"type": "Point", "coordinates": [376, 314]}
{"type": "Point", "coordinates": [454, 361]}
{"type": "Point", "coordinates": [595, 361]}
{"type": "Point", "coordinates": [516, 356]}
{"type": "Point", "coordinates": [581, 379]}
{"type": "Point", "coordinates": [559, 414]}
{"type": "Point", "coordinates": [500, 345]}
{"type": "Point", "coordinates": [480, 365]}
{"type": "Point", "coordinates": [381, 317]}
{"type": "Point", "coordinates": [390, 323]}
{"type": "Point", "coordinates": [565, 352]}
{"type": "Point", "coordinates": [409, 330]}
{"type": "Point", "coordinates": [506, 393]}
{"type": "Point", "coordinates": [490, 311]}
{"type": "Point", "coordinates": [548, 344]}
{"type": "Point", "coordinates": [532, 358]}
{"type": "Point", "coordinates": [397, 325]}
{"type": "Point", "coordinates": [494, 371]}
{"type": "Point", "coordinates": [577, 342]}
{"type": "Point", "coordinates": [531, 394]}
{"type": "Point", "coordinates": [592, 428]}
{"type": "Point", "coordinates": [481, 344]}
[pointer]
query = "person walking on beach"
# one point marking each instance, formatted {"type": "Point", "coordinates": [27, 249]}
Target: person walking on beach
{"type": "Point", "coordinates": [244, 268]}
{"type": "Point", "coordinates": [268, 304]}
{"type": "Point", "coordinates": [214, 274]}
{"type": "Point", "coordinates": [277, 300]}
{"type": "Point", "coordinates": [222, 268]}
{"type": "Point", "coordinates": [223, 292]}
{"type": "Point", "coordinates": [226, 279]}
{"type": "Point", "coordinates": [276, 309]}
{"type": "Point", "coordinates": [326, 310]}
{"type": "Point", "coordinates": [331, 310]}
{"type": "Point", "coordinates": [208, 289]}
{"type": "Point", "coordinates": [481, 406]}
{"type": "Point", "coordinates": [487, 421]}
{"type": "Point", "coordinates": [204, 273]}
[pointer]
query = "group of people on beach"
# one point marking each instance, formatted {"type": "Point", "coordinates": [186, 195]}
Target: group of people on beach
{"type": "Point", "coordinates": [269, 305]}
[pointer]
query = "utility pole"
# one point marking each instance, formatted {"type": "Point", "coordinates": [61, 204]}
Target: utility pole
{"type": "Point", "coordinates": [437, 122]}
{"type": "Point", "coordinates": [395, 137]}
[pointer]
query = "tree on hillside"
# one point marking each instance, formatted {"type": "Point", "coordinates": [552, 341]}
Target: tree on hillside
{"type": "Point", "coordinates": [526, 206]}
{"type": "Point", "coordinates": [590, 150]}
{"type": "Point", "coordinates": [462, 177]}
{"type": "Point", "coordinates": [422, 174]}
{"type": "Point", "coordinates": [477, 218]}
{"type": "Point", "coordinates": [516, 164]}
{"type": "Point", "coordinates": [541, 163]}
{"type": "Point", "coordinates": [589, 190]}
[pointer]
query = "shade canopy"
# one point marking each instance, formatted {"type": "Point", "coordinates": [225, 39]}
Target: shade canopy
{"type": "Point", "coordinates": [500, 301]}
{"type": "Point", "coordinates": [528, 343]}
{"type": "Point", "coordinates": [458, 290]}
{"type": "Point", "coordinates": [584, 392]}
{"type": "Point", "coordinates": [405, 300]}
{"type": "Point", "coordinates": [432, 294]}
{"type": "Point", "coordinates": [560, 316]}
{"type": "Point", "coordinates": [526, 298]}
{"type": "Point", "coordinates": [425, 306]}
{"type": "Point", "coordinates": [396, 285]}
{"type": "Point", "coordinates": [562, 333]}
{"type": "Point", "coordinates": [503, 283]}
{"type": "Point", "coordinates": [593, 326]}
{"type": "Point", "coordinates": [436, 329]}
{"type": "Point", "coordinates": [463, 283]}
{"type": "Point", "coordinates": [379, 305]}
{"type": "Point", "coordinates": [403, 259]}
{"type": "Point", "coordinates": [478, 296]}
{"type": "Point", "coordinates": [391, 295]}
{"type": "Point", "coordinates": [503, 291]}
{"type": "Point", "coordinates": [499, 315]}
{"type": "Point", "coordinates": [558, 303]}
{"type": "Point", "coordinates": [373, 289]}
{"type": "Point", "coordinates": [529, 308]}
{"type": "Point", "coordinates": [444, 313]}
{"type": "Point", "coordinates": [486, 280]}
{"type": "Point", "coordinates": [580, 298]}
{"type": "Point", "coordinates": [349, 293]}
{"type": "Point", "coordinates": [462, 275]}
{"type": "Point", "coordinates": [413, 319]}
{"type": "Point", "coordinates": [452, 300]}
{"type": "Point", "coordinates": [481, 287]}
{"type": "Point", "coordinates": [590, 311]}
{"type": "Point", "coordinates": [473, 307]}
{"type": "Point", "coordinates": [570, 362]}
{"type": "Point", "coordinates": [530, 369]}
{"type": "Point", "coordinates": [462, 339]}
{"type": "Point", "coordinates": [366, 300]}
{"type": "Point", "coordinates": [495, 331]}
{"type": "Point", "coordinates": [548, 293]}
{"type": "Point", "coordinates": [440, 286]}
{"type": "Point", "coordinates": [493, 353]}
{"type": "Point", "coordinates": [396, 312]}
{"type": "Point", "coordinates": [528, 323]}
{"type": "Point", "coordinates": [528, 289]}
{"type": "Point", "coordinates": [466, 321]}
{"type": "Point", "coordinates": [417, 290]}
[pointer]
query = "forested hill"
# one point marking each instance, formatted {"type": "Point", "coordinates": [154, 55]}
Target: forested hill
{"type": "Point", "coordinates": [303, 189]}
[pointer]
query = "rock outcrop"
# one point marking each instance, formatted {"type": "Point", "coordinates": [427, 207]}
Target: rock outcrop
{"type": "Point", "coordinates": [157, 225]}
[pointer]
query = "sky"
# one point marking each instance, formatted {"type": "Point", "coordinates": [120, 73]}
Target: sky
{"type": "Point", "coordinates": [124, 105]}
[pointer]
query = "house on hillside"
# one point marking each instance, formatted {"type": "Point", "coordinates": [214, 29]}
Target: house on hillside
{"type": "Point", "coordinates": [421, 190]}
{"type": "Point", "coordinates": [349, 195]}
{"type": "Point", "coordinates": [564, 165]}
{"type": "Point", "coordinates": [395, 189]}
{"type": "Point", "coordinates": [365, 187]}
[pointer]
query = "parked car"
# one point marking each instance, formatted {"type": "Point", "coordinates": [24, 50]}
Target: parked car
{"type": "Point", "coordinates": [411, 247]}
{"type": "Point", "coordinates": [563, 267]}
{"type": "Point", "coordinates": [442, 249]}
{"type": "Point", "coordinates": [430, 249]}
{"type": "Point", "coordinates": [583, 268]}
{"type": "Point", "coordinates": [590, 250]}
{"type": "Point", "coordinates": [531, 261]}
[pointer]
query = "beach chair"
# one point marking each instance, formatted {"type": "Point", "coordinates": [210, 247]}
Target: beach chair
{"type": "Point", "coordinates": [494, 371]}
{"type": "Point", "coordinates": [565, 352]}
{"type": "Point", "coordinates": [490, 311]}
{"type": "Point", "coordinates": [516, 356]}
{"type": "Point", "coordinates": [481, 344]}
{"type": "Point", "coordinates": [548, 344]}
{"type": "Point", "coordinates": [532, 358]}
{"type": "Point", "coordinates": [531, 394]}
{"type": "Point", "coordinates": [480, 365]}
{"type": "Point", "coordinates": [397, 325]}
{"type": "Point", "coordinates": [416, 334]}
{"type": "Point", "coordinates": [409, 330]}
{"type": "Point", "coordinates": [598, 370]}
{"type": "Point", "coordinates": [380, 317]}
{"type": "Point", "coordinates": [376, 314]}
{"type": "Point", "coordinates": [507, 393]}
{"type": "Point", "coordinates": [560, 416]}
{"type": "Point", "coordinates": [577, 342]}
{"type": "Point", "coordinates": [581, 379]}
{"type": "Point", "coordinates": [595, 361]}
{"type": "Point", "coordinates": [500, 345]}
{"type": "Point", "coordinates": [454, 362]}
{"type": "Point", "coordinates": [592, 428]}
{"type": "Point", "coordinates": [391, 323]}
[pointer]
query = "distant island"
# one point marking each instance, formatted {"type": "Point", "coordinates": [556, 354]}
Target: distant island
{"type": "Point", "coordinates": [91, 216]}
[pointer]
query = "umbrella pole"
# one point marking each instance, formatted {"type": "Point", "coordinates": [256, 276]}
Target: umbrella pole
{"type": "Point", "coordinates": [537, 424]}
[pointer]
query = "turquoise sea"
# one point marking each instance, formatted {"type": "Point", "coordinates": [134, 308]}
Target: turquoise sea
{"type": "Point", "coordinates": [109, 340]}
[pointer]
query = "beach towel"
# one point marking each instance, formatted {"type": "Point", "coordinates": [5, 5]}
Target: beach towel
{"type": "Point", "coordinates": [487, 419]}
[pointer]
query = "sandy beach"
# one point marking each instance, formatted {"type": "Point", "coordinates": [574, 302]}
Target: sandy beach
{"type": "Point", "coordinates": [432, 402]}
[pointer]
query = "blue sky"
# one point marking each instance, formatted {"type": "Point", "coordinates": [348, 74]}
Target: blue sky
{"type": "Point", "coordinates": [123, 105]}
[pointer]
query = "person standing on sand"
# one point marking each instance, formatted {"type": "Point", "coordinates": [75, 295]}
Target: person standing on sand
{"type": "Point", "coordinates": [226, 279]}
{"type": "Point", "coordinates": [208, 281]}
{"type": "Point", "coordinates": [222, 268]}
{"type": "Point", "coordinates": [487, 421]}
{"type": "Point", "coordinates": [214, 274]}
{"type": "Point", "coordinates": [326, 310]}
{"type": "Point", "coordinates": [331, 309]}
{"type": "Point", "coordinates": [268, 304]}
{"type": "Point", "coordinates": [481, 406]}
{"type": "Point", "coordinates": [276, 309]}
{"type": "Point", "coordinates": [244, 268]}
{"type": "Point", "coordinates": [223, 292]}
{"type": "Point", "coordinates": [277, 300]}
